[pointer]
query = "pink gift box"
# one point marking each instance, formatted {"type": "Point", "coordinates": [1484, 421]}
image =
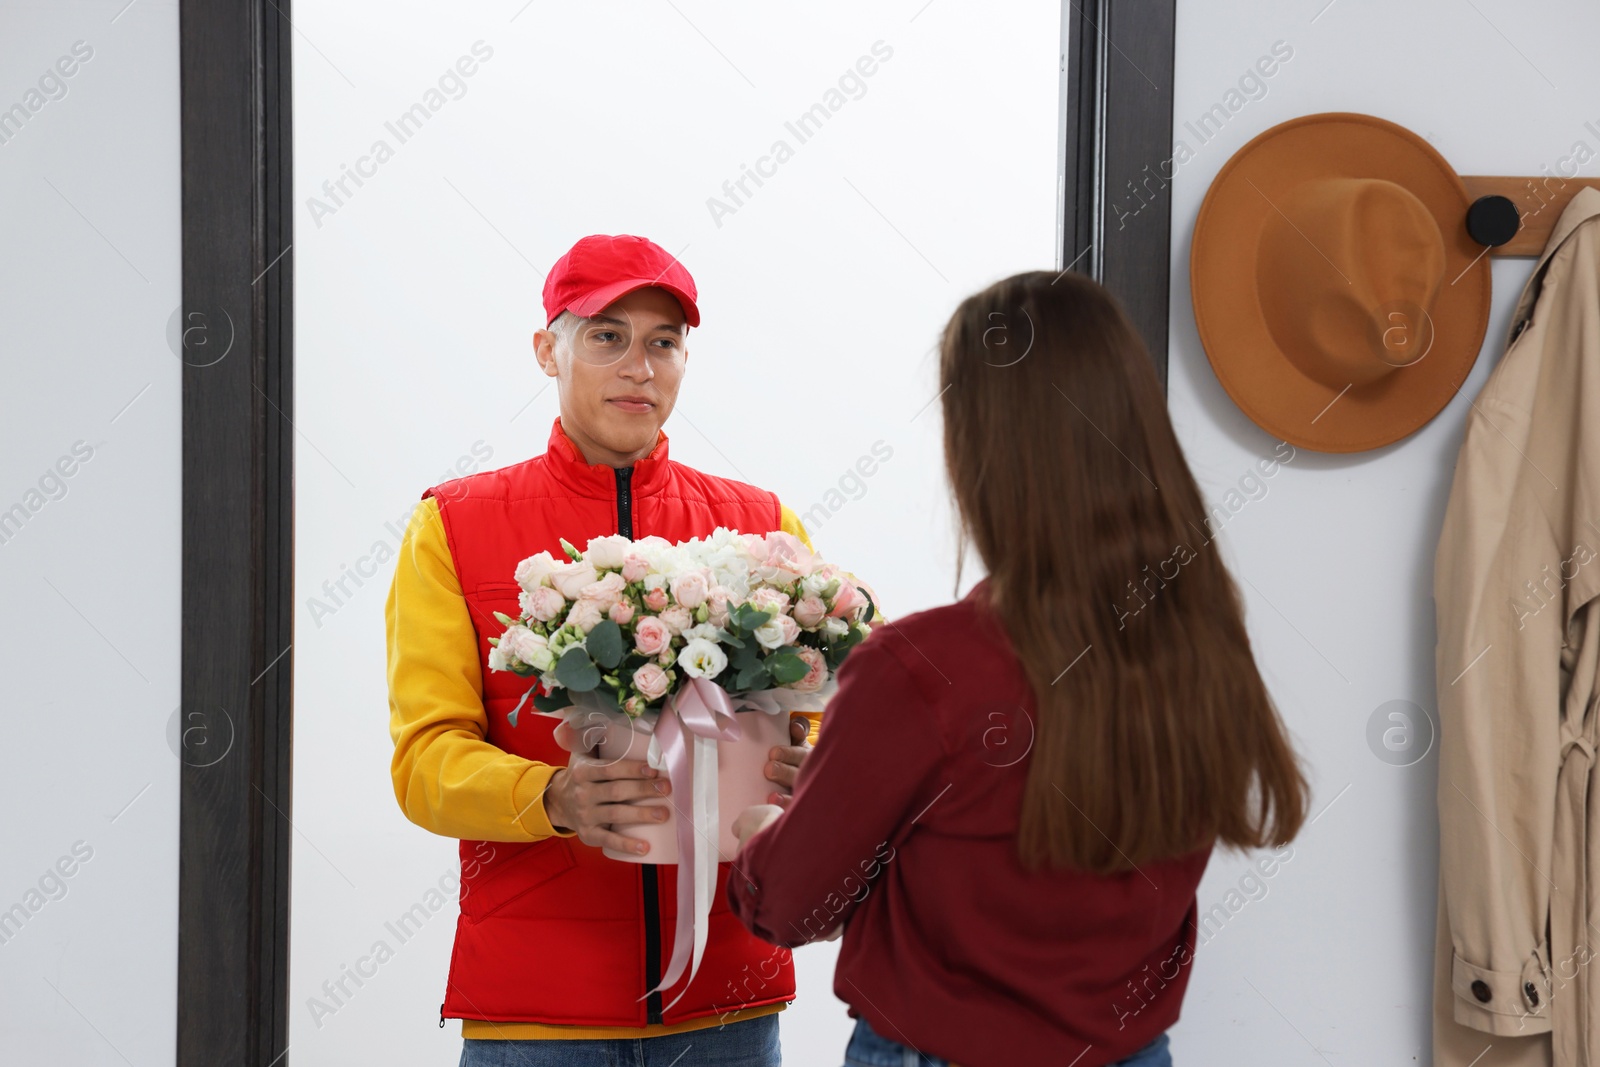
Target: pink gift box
{"type": "Point", "coordinates": [741, 780]}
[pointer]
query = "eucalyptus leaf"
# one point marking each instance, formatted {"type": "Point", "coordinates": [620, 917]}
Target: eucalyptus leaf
{"type": "Point", "coordinates": [753, 678]}
{"type": "Point", "coordinates": [786, 667]}
{"type": "Point", "coordinates": [748, 618]}
{"type": "Point", "coordinates": [551, 702]}
{"type": "Point", "coordinates": [577, 671]}
{"type": "Point", "coordinates": [605, 644]}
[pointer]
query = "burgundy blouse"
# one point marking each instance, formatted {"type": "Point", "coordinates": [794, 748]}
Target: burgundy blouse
{"type": "Point", "coordinates": [903, 826]}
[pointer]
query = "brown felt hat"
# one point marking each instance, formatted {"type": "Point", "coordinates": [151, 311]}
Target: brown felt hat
{"type": "Point", "coordinates": [1337, 292]}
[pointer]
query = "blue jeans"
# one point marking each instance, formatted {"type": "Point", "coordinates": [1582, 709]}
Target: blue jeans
{"type": "Point", "coordinates": [748, 1043]}
{"type": "Point", "coordinates": [868, 1048]}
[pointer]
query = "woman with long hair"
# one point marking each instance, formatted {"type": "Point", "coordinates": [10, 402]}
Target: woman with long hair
{"type": "Point", "coordinates": [1013, 797]}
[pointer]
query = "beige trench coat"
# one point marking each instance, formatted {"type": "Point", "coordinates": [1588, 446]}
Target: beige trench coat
{"type": "Point", "coordinates": [1517, 599]}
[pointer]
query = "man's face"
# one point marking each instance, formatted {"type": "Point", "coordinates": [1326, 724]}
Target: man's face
{"type": "Point", "coordinates": [618, 373]}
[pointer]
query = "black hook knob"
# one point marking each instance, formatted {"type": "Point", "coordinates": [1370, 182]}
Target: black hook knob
{"type": "Point", "coordinates": [1493, 220]}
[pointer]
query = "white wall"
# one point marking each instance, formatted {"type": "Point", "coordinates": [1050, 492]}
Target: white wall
{"type": "Point", "coordinates": [90, 487]}
{"type": "Point", "coordinates": [1330, 959]}
{"type": "Point", "coordinates": [415, 304]}
{"type": "Point", "coordinates": [416, 299]}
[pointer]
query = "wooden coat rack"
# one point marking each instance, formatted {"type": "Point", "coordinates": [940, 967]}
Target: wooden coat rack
{"type": "Point", "coordinates": [1515, 215]}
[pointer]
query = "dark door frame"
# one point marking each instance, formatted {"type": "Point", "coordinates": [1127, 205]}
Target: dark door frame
{"type": "Point", "coordinates": [236, 336]}
{"type": "Point", "coordinates": [238, 451]}
{"type": "Point", "coordinates": [1117, 203]}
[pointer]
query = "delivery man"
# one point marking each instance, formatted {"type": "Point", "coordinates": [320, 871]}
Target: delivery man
{"type": "Point", "coordinates": [557, 945]}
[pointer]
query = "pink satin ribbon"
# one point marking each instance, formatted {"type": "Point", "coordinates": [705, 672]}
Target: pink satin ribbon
{"type": "Point", "coordinates": [700, 708]}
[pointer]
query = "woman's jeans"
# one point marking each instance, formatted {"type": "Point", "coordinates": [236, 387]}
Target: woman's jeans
{"type": "Point", "coordinates": [868, 1048]}
{"type": "Point", "coordinates": [748, 1043]}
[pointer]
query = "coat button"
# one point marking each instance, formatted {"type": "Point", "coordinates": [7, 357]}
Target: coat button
{"type": "Point", "coordinates": [1480, 989]}
{"type": "Point", "coordinates": [1531, 992]}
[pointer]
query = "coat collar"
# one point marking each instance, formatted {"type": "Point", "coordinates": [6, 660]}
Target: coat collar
{"type": "Point", "coordinates": [1584, 205]}
{"type": "Point", "coordinates": [596, 480]}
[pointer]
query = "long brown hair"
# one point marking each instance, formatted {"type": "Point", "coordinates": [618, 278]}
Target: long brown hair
{"type": "Point", "coordinates": [1154, 733]}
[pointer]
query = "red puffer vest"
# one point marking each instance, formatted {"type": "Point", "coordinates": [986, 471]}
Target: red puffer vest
{"type": "Point", "coordinates": [552, 931]}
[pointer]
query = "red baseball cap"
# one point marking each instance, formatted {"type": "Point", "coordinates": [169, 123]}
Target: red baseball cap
{"type": "Point", "coordinates": [601, 268]}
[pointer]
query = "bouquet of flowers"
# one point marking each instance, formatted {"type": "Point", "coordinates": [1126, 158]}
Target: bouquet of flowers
{"type": "Point", "coordinates": [663, 644]}
{"type": "Point", "coordinates": [633, 621]}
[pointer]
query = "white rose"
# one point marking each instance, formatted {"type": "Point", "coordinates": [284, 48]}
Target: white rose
{"type": "Point", "coordinates": [532, 572]}
{"type": "Point", "coordinates": [777, 631]}
{"type": "Point", "coordinates": [608, 552]}
{"type": "Point", "coordinates": [497, 659]}
{"type": "Point", "coordinates": [701, 658]}
{"type": "Point", "coordinates": [834, 628]}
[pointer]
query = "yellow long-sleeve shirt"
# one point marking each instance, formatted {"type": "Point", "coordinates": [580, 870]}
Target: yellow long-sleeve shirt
{"type": "Point", "coordinates": [447, 777]}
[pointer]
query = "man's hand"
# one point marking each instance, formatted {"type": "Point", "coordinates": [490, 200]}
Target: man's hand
{"type": "Point", "coordinates": [589, 794]}
{"type": "Point", "coordinates": [784, 765]}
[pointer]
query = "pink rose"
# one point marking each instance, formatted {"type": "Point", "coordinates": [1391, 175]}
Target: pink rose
{"type": "Point", "coordinates": [691, 589]}
{"type": "Point", "coordinates": [651, 681]}
{"type": "Point", "coordinates": [847, 600]}
{"type": "Point", "coordinates": [787, 559]}
{"type": "Point", "coordinates": [810, 612]}
{"type": "Point", "coordinates": [585, 615]}
{"type": "Point", "coordinates": [634, 567]}
{"type": "Point", "coordinates": [544, 603]}
{"type": "Point", "coordinates": [656, 599]}
{"type": "Point", "coordinates": [605, 591]}
{"type": "Point", "coordinates": [652, 636]}
{"type": "Point", "coordinates": [769, 599]}
{"type": "Point", "coordinates": [816, 674]}
{"type": "Point", "coordinates": [621, 613]}
{"type": "Point", "coordinates": [570, 578]}
{"type": "Point", "coordinates": [717, 606]}
{"type": "Point", "coordinates": [677, 619]}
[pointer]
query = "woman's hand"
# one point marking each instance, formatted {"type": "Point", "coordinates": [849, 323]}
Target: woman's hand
{"type": "Point", "coordinates": [752, 819]}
